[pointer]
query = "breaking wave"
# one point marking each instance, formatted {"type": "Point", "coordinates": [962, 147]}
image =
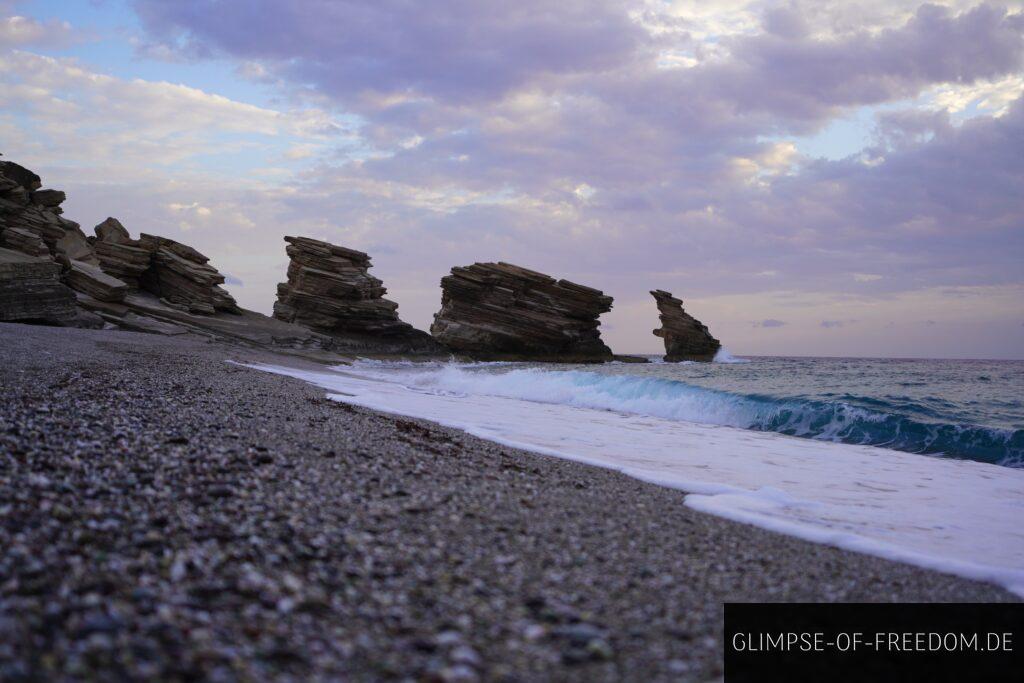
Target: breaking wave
{"type": "Point", "coordinates": [883, 424]}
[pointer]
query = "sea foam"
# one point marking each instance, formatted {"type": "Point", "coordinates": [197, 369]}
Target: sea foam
{"type": "Point", "coordinates": [723, 356]}
{"type": "Point", "coordinates": [676, 400]}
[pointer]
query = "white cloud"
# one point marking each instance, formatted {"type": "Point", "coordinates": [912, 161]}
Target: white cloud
{"type": "Point", "coordinates": [193, 207]}
{"type": "Point", "coordinates": [584, 192]}
{"type": "Point", "coordinates": [989, 97]}
{"type": "Point", "coordinates": [133, 125]}
{"type": "Point", "coordinates": [17, 31]}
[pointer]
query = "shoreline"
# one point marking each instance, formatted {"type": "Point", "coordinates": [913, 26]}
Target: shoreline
{"type": "Point", "coordinates": [241, 524]}
{"type": "Point", "coordinates": [861, 498]}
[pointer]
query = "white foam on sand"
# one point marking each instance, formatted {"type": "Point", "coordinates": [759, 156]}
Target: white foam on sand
{"type": "Point", "coordinates": [954, 516]}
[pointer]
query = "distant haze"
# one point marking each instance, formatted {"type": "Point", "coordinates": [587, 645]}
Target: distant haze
{"type": "Point", "coordinates": [811, 178]}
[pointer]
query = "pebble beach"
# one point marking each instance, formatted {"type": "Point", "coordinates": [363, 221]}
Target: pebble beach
{"type": "Point", "coordinates": [166, 514]}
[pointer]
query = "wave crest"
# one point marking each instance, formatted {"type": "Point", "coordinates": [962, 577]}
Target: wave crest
{"type": "Point", "coordinates": [723, 356]}
{"type": "Point", "coordinates": [838, 420]}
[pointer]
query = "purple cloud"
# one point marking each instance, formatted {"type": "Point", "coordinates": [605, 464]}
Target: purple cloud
{"type": "Point", "coordinates": [797, 74]}
{"type": "Point", "coordinates": [455, 49]}
{"type": "Point", "coordinates": [551, 134]}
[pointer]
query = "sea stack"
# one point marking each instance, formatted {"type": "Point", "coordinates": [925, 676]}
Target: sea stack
{"type": "Point", "coordinates": [499, 311]}
{"type": "Point", "coordinates": [330, 290]}
{"type": "Point", "coordinates": [686, 338]}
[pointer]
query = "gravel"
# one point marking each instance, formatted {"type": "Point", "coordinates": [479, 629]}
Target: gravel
{"type": "Point", "coordinates": [165, 514]}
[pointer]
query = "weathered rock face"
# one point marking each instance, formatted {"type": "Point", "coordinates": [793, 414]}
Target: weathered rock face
{"type": "Point", "coordinates": [39, 245]}
{"type": "Point", "coordinates": [21, 176]}
{"type": "Point", "coordinates": [24, 241]}
{"type": "Point", "coordinates": [182, 276]}
{"type": "Point", "coordinates": [686, 338]}
{"type": "Point", "coordinates": [89, 279]}
{"type": "Point", "coordinates": [330, 290]}
{"type": "Point", "coordinates": [119, 255]}
{"type": "Point", "coordinates": [49, 198]}
{"type": "Point", "coordinates": [31, 291]}
{"type": "Point", "coordinates": [498, 311]}
{"type": "Point", "coordinates": [34, 215]}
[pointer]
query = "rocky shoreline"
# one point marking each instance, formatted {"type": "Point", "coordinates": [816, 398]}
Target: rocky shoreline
{"type": "Point", "coordinates": [52, 273]}
{"type": "Point", "coordinates": [149, 528]}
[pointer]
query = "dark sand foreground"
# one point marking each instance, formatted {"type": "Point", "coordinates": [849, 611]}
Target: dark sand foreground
{"type": "Point", "coordinates": [165, 514]}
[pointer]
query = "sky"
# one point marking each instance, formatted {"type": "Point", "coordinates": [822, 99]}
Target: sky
{"type": "Point", "coordinates": [832, 178]}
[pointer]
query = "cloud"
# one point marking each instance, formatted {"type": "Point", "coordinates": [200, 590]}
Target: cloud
{"type": "Point", "coordinates": [684, 183]}
{"type": "Point", "coordinates": [455, 49]}
{"type": "Point", "coordinates": [989, 96]}
{"type": "Point", "coordinates": [626, 145]}
{"type": "Point", "coordinates": [79, 113]}
{"type": "Point", "coordinates": [416, 66]}
{"type": "Point", "coordinates": [769, 322]}
{"type": "Point", "coordinates": [18, 31]}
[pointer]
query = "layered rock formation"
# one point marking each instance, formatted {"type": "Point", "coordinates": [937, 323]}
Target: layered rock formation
{"type": "Point", "coordinates": [107, 268]}
{"type": "Point", "coordinates": [35, 244]}
{"type": "Point", "coordinates": [120, 255]}
{"type": "Point", "coordinates": [110, 266]}
{"type": "Point", "coordinates": [686, 338]}
{"type": "Point", "coordinates": [31, 291]}
{"type": "Point", "coordinates": [51, 272]}
{"type": "Point", "coordinates": [181, 275]}
{"type": "Point", "coordinates": [92, 281]}
{"type": "Point", "coordinates": [24, 241]}
{"type": "Point", "coordinates": [30, 218]}
{"type": "Point", "coordinates": [498, 311]}
{"type": "Point", "coordinates": [329, 289]}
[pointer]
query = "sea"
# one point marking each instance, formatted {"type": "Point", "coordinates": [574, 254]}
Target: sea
{"type": "Point", "coordinates": [915, 460]}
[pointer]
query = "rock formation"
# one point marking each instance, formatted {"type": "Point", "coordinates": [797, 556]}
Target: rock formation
{"type": "Point", "coordinates": [111, 265]}
{"type": "Point", "coordinates": [686, 338]}
{"type": "Point", "coordinates": [30, 216]}
{"type": "Point", "coordinates": [50, 272]}
{"type": "Point", "coordinates": [181, 275]}
{"type": "Point", "coordinates": [92, 281]}
{"type": "Point", "coordinates": [498, 311]}
{"type": "Point", "coordinates": [119, 255]}
{"type": "Point", "coordinates": [106, 268]}
{"type": "Point", "coordinates": [31, 291]}
{"type": "Point", "coordinates": [330, 290]}
{"type": "Point", "coordinates": [24, 241]}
